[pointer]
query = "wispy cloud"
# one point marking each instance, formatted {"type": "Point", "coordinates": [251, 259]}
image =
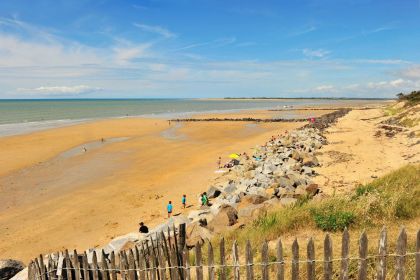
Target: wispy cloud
{"type": "Point", "coordinates": [303, 31]}
{"type": "Point", "coordinates": [124, 55]}
{"type": "Point", "coordinates": [318, 53]}
{"type": "Point", "coordinates": [325, 88]}
{"type": "Point", "coordinates": [155, 29]}
{"type": "Point", "coordinates": [59, 90]}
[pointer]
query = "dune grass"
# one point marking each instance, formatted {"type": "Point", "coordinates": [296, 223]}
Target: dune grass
{"type": "Point", "coordinates": [393, 197]}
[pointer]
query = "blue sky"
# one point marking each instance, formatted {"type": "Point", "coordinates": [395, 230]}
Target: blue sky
{"type": "Point", "coordinates": [208, 48]}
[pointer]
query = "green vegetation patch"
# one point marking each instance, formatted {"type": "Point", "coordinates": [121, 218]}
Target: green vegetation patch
{"type": "Point", "coordinates": [393, 197]}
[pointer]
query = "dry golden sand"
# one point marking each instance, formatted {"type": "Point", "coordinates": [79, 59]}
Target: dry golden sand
{"type": "Point", "coordinates": [52, 200]}
{"type": "Point", "coordinates": [354, 155]}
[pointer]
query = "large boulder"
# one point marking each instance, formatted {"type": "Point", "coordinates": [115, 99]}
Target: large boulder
{"type": "Point", "coordinates": [252, 211]}
{"type": "Point", "coordinates": [312, 189]}
{"type": "Point", "coordinates": [227, 216]}
{"type": "Point", "coordinates": [254, 199]}
{"type": "Point", "coordinates": [230, 188]}
{"type": "Point", "coordinates": [213, 192]}
{"type": "Point", "coordinates": [285, 182]}
{"type": "Point", "coordinates": [307, 171]}
{"type": "Point", "coordinates": [9, 268]}
{"type": "Point", "coordinates": [197, 233]}
{"type": "Point", "coordinates": [310, 160]}
{"type": "Point", "coordinates": [21, 275]}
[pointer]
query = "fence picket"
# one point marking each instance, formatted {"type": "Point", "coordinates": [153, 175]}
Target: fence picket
{"type": "Point", "coordinates": [31, 271]}
{"type": "Point", "coordinates": [37, 269]}
{"type": "Point", "coordinates": [51, 268]}
{"type": "Point", "coordinates": [381, 265]}
{"type": "Point", "coordinates": [76, 265]}
{"type": "Point", "coordinates": [123, 266]}
{"type": "Point", "coordinates": [142, 265]}
{"type": "Point", "coordinates": [400, 259]}
{"type": "Point", "coordinates": [249, 259]}
{"type": "Point", "coordinates": [295, 260]}
{"type": "Point", "coordinates": [199, 268]}
{"type": "Point", "coordinates": [280, 260]}
{"type": "Point", "coordinates": [131, 266]}
{"type": "Point", "coordinates": [182, 237]}
{"type": "Point", "coordinates": [113, 274]}
{"type": "Point", "coordinates": [418, 255]}
{"type": "Point", "coordinates": [264, 259]}
{"type": "Point", "coordinates": [345, 249]}
{"type": "Point", "coordinates": [162, 264]}
{"type": "Point", "coordinates": [210, 262]}
{"type": "Point", "coordinates": [311, 259]}
{"type": "Point", "coordinates": [222, 260]}
{"type": "Point", "coordinates": [94, 266]}
{"type": "Point", "coordinates": [187, 273]}
{"type": "Point", "coordinates": [86, 275]}
{"type": "Point", "coordinates": [68, 265]}
{"type": "Point", "coordinates": [42, 268]}
{"type": "Point", "coordinates": [174, 269]}
{"type": "Point", "coordinates": [328, 253]}
{"type": "Point", "coordinates": [363, 246]}
{"type": "Point", "coordinates": [235, 258]}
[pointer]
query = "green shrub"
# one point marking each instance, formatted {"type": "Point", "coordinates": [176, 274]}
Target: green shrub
{"type": "Point", "coordinates": [330, 219]}
{"type": "Point", "coordinates": [363, 190]}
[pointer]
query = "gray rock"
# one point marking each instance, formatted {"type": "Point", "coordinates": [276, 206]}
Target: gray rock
{"type": "Point", "coordinates": [21, 275]}
{"type": "Point", "coordinates": [285, 182]}
{"type": "Point", "coordinates": [307, 170]}
{"type": "Point", "coordinates": [254, 199]}
{"type": "Point", "coordinates": [213, 192]}
{"type": "Point", "coordinates": [310, 160]}
{"type": "Point", "coordinates": [251, 211]}
{"type": "Point", "coordinates": [230, 188]}
{"type": "Point", "coordinates": [9, 268]}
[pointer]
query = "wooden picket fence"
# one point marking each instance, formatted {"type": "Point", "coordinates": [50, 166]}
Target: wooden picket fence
{"type": "Point", "coordinates": [167, 257]}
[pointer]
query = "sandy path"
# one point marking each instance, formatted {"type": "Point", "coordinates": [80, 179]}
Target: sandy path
{"type": "Point", "coordinates": [84, 199]}
{"type": "Point", "coordinates": [356, 156]}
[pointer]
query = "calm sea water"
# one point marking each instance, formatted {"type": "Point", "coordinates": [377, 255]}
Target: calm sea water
{"type": "Point", "coordinates": [21, 116]}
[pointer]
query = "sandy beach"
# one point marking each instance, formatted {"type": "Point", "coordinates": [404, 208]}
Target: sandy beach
{"type": "Point", "coordinates": [55, 195]}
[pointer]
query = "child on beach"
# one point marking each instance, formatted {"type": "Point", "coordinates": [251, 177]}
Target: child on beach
{"type": "Point", "coordinates": [169, 208]}
{"type": "Point", "coordinates": [184, 200]}
{"type": "Point", "coordinates": [204, 199]}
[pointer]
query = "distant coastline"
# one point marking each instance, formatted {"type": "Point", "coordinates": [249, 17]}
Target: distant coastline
{"type": "Point", "coordinates": [305, 98]}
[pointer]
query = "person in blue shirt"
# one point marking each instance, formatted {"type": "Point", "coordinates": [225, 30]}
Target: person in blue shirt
{"type": "Point", "coordinates": [184, 201]}
{"type": "Point", "coordinates": [169, 208]}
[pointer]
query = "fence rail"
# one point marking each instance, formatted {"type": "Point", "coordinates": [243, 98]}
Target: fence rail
{"type": "Point", "coordinates": [167, 257]}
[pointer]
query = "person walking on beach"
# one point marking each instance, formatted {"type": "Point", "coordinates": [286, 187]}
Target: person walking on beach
{"type": "Point", "coordinates": [169, 208]}
{"type": "Point", "coordinates": [219, 163]}
{"type": "Point", "coordinates": [143, 228]}
{"type": "Point", "coordinates": [184, 201]}
{"type": "Point", "coordinates": [204, 199]}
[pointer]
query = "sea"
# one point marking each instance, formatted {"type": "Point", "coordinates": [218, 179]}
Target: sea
{"type": "Point", "coordinates": [24, 116]}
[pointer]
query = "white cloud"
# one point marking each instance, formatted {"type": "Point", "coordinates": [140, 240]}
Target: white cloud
{"type": "Point", "coordinates": [155, 29]}
{"type": "Point", "coordinates": [411, 72]}
{"type": "Point", "coordinates": [59, 90]}
{"type": "Point", "coordinates": [319, 53]}
{"type": "Point", "coordinates": [124, 55]}
{"type": "Point", "coordinates": [325, 88]}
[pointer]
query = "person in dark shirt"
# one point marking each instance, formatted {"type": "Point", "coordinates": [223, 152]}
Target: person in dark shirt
{"type": "Point", "coordinates": [143, 228]}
